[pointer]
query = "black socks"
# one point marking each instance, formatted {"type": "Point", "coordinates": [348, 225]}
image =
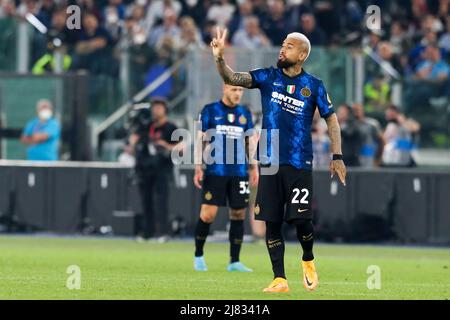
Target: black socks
{"type": "Point", "coordinates": [275, 246]}
{"type": "Point", "coordinates": [236, 236]}
{"type": "Point", "coordinates": [201, 233]}
{"type": "Point", "coordinates": [305, 234]}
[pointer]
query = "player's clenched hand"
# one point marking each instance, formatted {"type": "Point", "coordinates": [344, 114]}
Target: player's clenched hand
{"type": "Point", "coordinates": [253, 176]}
{"type": "Point", "coordinates": [218, 43]}
{"type": "Point", "coordinates": [198, 177]}
{"type": "Point", "coordinates": [338, 166]}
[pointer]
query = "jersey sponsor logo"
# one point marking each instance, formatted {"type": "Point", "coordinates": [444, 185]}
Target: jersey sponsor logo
{"type": "Point", "coordinates": [242, 119]}
{"type": "Point", "coordinates": [230, 131]}
{"type": "Point", "coordinates": [305, 92]}
{"type": "Point", "coordinates": [290, 89]}
{"type": "Point", "coordinates": [231, 117]}
{"type": "Point", "coordinates": [288, 104]}
{"type": "Point", "coordinates": [287, 99]}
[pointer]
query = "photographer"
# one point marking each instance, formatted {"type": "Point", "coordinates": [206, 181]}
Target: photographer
{"type": "Point", "coordinates": [350, 134]}
{"type": "Point", "coordinates": [151, 141]}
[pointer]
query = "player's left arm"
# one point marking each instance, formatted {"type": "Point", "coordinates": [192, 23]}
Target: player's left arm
{"type": "Point", "coordinates": [251, 143]}
{"type": "Point", "coordinates": [334, 132]}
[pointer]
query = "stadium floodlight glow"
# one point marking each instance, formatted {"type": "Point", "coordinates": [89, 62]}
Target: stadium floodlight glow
{"type": "Point", "coordinates": [31, 18]}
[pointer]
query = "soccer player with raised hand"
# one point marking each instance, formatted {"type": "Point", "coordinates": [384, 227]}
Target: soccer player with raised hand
{"type": "Point", "coordinates": [289, 97]}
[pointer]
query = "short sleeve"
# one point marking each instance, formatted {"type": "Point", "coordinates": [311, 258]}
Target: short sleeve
{"type": "Point", "coordinates": [53, 130]}
{"type": "Point", "coordinates": [28, 131]}
{"type": "Point", "coordinates": [168, 133]}
{"type": "Point", "coordinates": [324, 101]}
{"type": "Point", "coordinates": [258, 77]}
{"type": "Point", "coordinates": [204, 119]}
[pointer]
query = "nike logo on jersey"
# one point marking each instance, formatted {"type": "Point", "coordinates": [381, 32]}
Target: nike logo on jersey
{"type": "Point", "coordinates": [302, 210]}
{"type": "Point", "coordinates": [278, 84]}
{"type": "Point", "coordinates": [217, 118]}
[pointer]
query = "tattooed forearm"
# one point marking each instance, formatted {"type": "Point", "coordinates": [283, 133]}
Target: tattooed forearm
{"type": "Point", "coordinates": [334, 132]}
{"type": "Point", "coordinates": [242, 79]}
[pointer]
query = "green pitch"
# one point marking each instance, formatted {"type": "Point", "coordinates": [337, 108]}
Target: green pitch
{"type": "Point", "coordinates": [35, 268]}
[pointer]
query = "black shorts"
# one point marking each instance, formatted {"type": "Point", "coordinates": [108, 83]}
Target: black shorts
{"type": "Point", "coordinates": [217, 189]}
{"type": "Point", "coordinates": [286, 195]}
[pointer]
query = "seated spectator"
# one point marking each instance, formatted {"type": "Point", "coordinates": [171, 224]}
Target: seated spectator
{"type": "Point", "coordinates": [309, 28]}
{"type": "Point", "coordinates": [189, 36]}
{"type": "Point", "coordinates": [221, 12]}
{"type": "Point", "coordinates": [398, 38]}
{"type": "Point", "coordinates": [433, 69]}
{"type": "Point", "coordinates": [157, 11]}
{"type": "Point", "coordinates": [277, 24]}
{"type": "Point", "coordinates": [169, 28]}
{"type": "Point", "coordinates": [7, 9]}
{"type": "Point", "coordinates": [141, 55]}
{"type": "Point", "coordinates": [444, 40]}
{"type": "Point", "coordinates": [165, 53]}
{"type": "Point", "coordinates": [46, 11]}
{"type": "Point", "coordinates": [91, 7]}
{"type": "Point", "coordinates": [58, 29]}
{"type": "Point", "coordinates": [92, 50]}
{"type": "Point", "coordinates": [42, 134]}
{"type": "Point", "coordinates": [245, 10]}
{"type": "Point", "coordinates": [113, 16]}
{"type": "Point", "coordinates": [252, 37]}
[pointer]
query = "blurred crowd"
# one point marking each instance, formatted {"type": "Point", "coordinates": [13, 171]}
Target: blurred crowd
{"type": "Point", "coordinates": [367, 142]}
{"type": "Point", "coordinates": [414, 40]}
{"type": "Point", "coordinates": [413, 44]}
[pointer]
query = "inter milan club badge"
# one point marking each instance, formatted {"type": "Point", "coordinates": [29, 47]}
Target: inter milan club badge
{"type": "Point", "coordinates": [290, 89]}
{"type": "Point", "coordinates": [305, 92]}
{"type": "Point", "coordinates": [208, 196]}
{"type": "Point", "coordinates": [242, 120]}
{"type": "Point", "coordinates": [231, 117]}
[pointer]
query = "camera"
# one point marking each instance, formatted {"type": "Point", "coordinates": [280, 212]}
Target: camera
{"type": "Point", "coordinates": [139, 118]}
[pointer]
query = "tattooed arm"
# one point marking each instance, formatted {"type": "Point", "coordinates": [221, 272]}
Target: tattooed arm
{"type": "Point", "coordinates": [334, 132]}
{"type": "Point", "coordinates": [242, 79]}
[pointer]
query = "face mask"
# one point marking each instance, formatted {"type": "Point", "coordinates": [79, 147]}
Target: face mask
{"type": "Point", "coordinates": [45, 114]}
{"type": "Point", "coordinates": [139, 38]}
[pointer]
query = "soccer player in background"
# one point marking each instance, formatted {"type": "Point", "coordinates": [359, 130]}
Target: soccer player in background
{"type": "Point", "coordinates": [289, 97]}
{"type": "Point", "coordinates": [229, 127]}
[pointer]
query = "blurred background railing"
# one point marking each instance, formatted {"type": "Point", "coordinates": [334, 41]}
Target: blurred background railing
{"type": "Point", "coordinates": [115, 74]}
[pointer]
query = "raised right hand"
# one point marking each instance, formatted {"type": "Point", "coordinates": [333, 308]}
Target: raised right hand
{"type": "Point", "coordinates": [218, 43]}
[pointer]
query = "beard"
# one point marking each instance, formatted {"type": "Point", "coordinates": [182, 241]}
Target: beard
{"type": "Point", "coordinates": [284, 64]}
